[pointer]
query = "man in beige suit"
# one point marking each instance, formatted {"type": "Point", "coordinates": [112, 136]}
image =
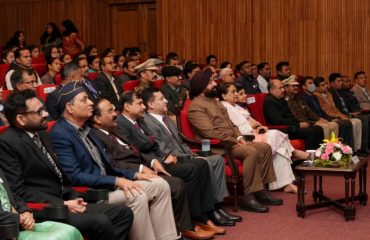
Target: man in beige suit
{"type": "Point", "coordinates": [210, 120]}
{"type": "Point", "coordinates": [361, 92]}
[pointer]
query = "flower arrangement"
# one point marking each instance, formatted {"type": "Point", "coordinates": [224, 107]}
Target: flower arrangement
{"type": "Point", "coordinates": [333, 153]}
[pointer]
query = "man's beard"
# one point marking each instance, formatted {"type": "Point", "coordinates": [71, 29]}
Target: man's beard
{"type": "Point", "coordinates": [36, 127]}
{"type": "Point", "coordinates": [213, 93]}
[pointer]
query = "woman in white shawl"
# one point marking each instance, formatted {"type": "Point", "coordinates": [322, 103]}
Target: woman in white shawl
{"type": "Point", "coordinates": [282, 150]}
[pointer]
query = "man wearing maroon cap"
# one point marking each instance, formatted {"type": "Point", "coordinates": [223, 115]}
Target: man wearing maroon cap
{"type": "Point", "coordinates": [210, 120]}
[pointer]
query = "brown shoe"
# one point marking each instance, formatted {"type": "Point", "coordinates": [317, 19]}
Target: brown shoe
{"type": "Point", "coordinates": [210, 226]}
{"type": "Point", "coordinates": [198, 233]}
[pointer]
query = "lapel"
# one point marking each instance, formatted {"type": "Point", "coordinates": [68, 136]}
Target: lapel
{"type": "Point", "coordinates": [156, 122]}
{"type": "Point", "coordinates": [172, 92]}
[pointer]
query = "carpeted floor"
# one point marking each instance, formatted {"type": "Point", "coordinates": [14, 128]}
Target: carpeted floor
{"type": "Point", "coordinates": [282, 222]}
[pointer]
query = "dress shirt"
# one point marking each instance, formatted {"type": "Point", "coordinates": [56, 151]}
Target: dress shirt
{"type": "Point", "coordinates": [262, 83]}
{"type": "Point", "coordinates": [112, 82]}
{"type": "Point", "coordinates": [160, 119]}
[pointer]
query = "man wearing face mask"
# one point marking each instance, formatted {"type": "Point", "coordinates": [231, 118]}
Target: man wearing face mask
{"type": "Point", "coordinates": [343, 126]}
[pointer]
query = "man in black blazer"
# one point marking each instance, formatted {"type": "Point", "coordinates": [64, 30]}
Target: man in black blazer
{"type": "Point", "coordinates": [193, 171]}
{"type": "Point", "coordinates": [124, 155]}
{"type": "Point", "coordinates": [34, 174]}
{"type": "Point", "coordinates": [109, 85]}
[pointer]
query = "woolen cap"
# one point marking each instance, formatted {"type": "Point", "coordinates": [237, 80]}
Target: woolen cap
{"type": "Point", "coordinates": [169, 71]}
{"type": "Point", "coordinates": [147, 65]}
{"type": "Point", "coordinates": [200, 81]}
{"type": "Point", "coordinates": [67, 93]}
{"type": "Point", "coordinates": [292, 80]}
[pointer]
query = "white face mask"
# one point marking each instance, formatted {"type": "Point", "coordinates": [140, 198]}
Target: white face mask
{"type": "Point", "coordinates": [311, 88]}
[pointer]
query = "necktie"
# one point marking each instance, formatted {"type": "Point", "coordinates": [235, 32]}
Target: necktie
{"type": "Point", "coordinates": [38, 142]}
{"type": "Point", "coordinates": [4, 198]}
{"type": "Point", "coordinates": [165, 121]}
{"type": "Point", "coordinates": [344, 106]}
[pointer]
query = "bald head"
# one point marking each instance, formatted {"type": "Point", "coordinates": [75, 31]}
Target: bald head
{"type": "Point", "coordinates": [276, 88]}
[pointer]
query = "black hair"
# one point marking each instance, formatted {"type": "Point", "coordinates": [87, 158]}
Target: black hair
{"type": "Point", "coordinates": [170, 56]}
{"type": "Point", "coordinates": [189, 67]}
{"type": "Point", "coordinates": [209, 58]}
{"type": "Point", "coordinates": [31, 47]}
{"type": "Point", "coordinates": [127, 97]}
{"type": "Point", "coordinates": [17, 53]}
{"type": "Point", "coordinates": [13, 41]}
{"type": "Point", "coordinates": [148, 95]}
{"type": "Point", "coordinates": [126, 51]}
{"type": "Point", "coordinates": [48, 50]}
{"type": "Point", "coordinates": [106, 52]}
{"type": "Point", "coordinates": [90, 59]}
{"type": "Point", "coordinates": [17, 76]}
{"type": "Point", "coordinates": [334, 76]}
{"type": "Point", "coordinates": [261, 65]}
{"type": "Point", "coordinates": [70, 27]}
{"type": "Point", "coordinates": [16, 104]}
{"type": "Point", "coordinates": [55, 33]}
{"type": "Point", "coordinates": [318, 80]}
{"type": "Point", "coordinates": [88, 50]}
{"type": "Point", "coordinates": [5, 53]}
{"type": "Point", "coordinates": [280, 65]}
{"type": "Point", "coordinates": [357, 74]}
{"type": "Point", "coordinates": [240, 65]}
{"type": "Point", "coordinates": [224, 64]}
{"type": "Point", "coordinates": [222, 89]}
{"type": "Point", "coordinates": [305, 79]}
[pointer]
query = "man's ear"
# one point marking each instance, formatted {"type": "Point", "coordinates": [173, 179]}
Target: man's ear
{"type": "Point", "coordinates": [20, 120]}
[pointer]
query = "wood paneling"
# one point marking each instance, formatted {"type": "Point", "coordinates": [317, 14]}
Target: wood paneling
{"type": "Point", "coordinates": [317, 36]}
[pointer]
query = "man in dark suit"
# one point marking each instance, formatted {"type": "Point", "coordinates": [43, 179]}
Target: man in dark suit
{"type": "Point", "coordinates": [109, 85]}
{"type": "Point", "coordinates": [82, 156]}
{"type": "Point", "coordinates": [246, 80]}
{"type": "Point", "coordinates": [34, 173]}
{"type": "Point", "coordinates": [123, 155]}
{"type": "Point", "coordinates": [170, 142]}
{"type": "Point", "coordinates": [89, 86]}
{"type": "Point", "coordinates": [193, 171]}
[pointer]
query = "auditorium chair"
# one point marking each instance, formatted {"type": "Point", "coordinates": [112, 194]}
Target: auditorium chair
{"type": "Point", "coordinates": [5, 94]}
{"type": "Point", "coordinates": [130, 85]}
{"type": "Point", "coordinates": [93, 75]}
{"type": "Point", "coordinates": [158, 83]}
{"type": "Point", "coordinates": [117, 73]}
{"type": "Point", "coordinates": [58, 79]}
{"type": "Point", "coordinates": [255, 107]}
{"type": "Point", "coordinates": [4, 68]}
{"type": "Point", "coordinates": [40, 69]}
{"type": "Point", "coordinates": [39, 60]}
{"type": "Point", "coordinates": [43, 90]}
{"type": "Point", "coordinates": [233, 167]}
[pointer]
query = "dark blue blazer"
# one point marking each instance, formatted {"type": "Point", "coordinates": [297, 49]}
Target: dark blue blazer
{"type": "Point", "coordinates": [77, 161]}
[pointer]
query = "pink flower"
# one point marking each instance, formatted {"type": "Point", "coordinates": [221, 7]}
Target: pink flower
{"type": "Point", "coordinates": [346, 150]}
{"type": "Point", "coordinates": [324, 156]}
{"type": "Point", "coordinates": [329, 149]}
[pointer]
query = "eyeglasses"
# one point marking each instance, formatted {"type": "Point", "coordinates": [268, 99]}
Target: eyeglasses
{"type": "Point", "coordinates": [39, 112]}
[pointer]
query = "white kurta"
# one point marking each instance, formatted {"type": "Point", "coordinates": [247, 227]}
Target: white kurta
{"type": "Point", "coordinates": [281, 148]}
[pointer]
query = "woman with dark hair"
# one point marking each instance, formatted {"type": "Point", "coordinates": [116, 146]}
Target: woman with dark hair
{"type": "Point", "coordinates": [51, 36]}
{"type": "Point", "coordinates": [54, 67]}
{"type": "Point", "coordinates": [17, 40]}
{"type": "Point", "coordinates": [91, 50]}
{"type": "Point", "coordinates": [51, 52]}
{"type": "Point", "coordinates": [72, 43]}
{"type": "Point", "coordinates": [7, 56]}
{"type": "Point", "coordinates": [34, 50]}
{"type": "Point", "coordinates": [65, 58]}
{"type": "Point", "coordinates": [93, 62]}
{"type": "Point", "coordinates": [282, 150]}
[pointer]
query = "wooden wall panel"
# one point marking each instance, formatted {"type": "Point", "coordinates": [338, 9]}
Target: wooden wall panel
{"type": "Point", "coordinates": [317, 36]}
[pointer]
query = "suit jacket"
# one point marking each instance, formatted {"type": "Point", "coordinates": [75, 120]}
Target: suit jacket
{"type": "Point", "coordinates": [169, 142]}
{"type": "Point", "coordinates": [338, 103]}
{"type": "Point", "coordinates": [277, 112]}
{"type": "Point", "coordinates": [361, 96]}
{"type": "Point", "coordinates": [15, 201]}
{"type": "Point", "coordinates": [105, 87]}
{"type": "Point", "coordinates": [211, 120]}
{"type": "Point", "coordinates": [142, 138]}
{"type": "Point", "coordinates": [77, 161]}
{"type": "Point", "coordinates": [327, 104]}
{"type": "Point", "coordinates": [50, 104]}
{"type": "Point", "coordinates": [314, 104]}
{"type": "Point", "coordinates": [29, 172]}
{"type": "Point", "coordinates": [250, 84]}
{"type": "Point", "coordinates": [120, 156]}
{"type": "Point", "coordinates": [174, 97]}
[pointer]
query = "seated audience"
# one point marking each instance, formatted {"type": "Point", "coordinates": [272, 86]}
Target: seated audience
{"type": "Point", "coordinates": [210, 120]}
{"type": "Point", "coordinates": [83, 159]}
{"type": "Point", "coordinates": [254, 70]}
{"type": "Point", "coordinates": [91, 50]}
{"type": "Point", "coordinates": [51, 36]}
{"type": "Point", "coordinates": [283, 70]}
{"type": "Point", "coordinates": [24, 217]}
{"type": "Point", "coordinates": [282, 150]}
{"type": "Point", "coordinates": [108, 52]}
{"type": "Point", "coordinates": [360, 90]}
{"type": "Point", "coordinates": [145, 73]}
{"type": "Point", "coordinates": [345, 126]}
{"type": "Point", "coordinates": [277, 112]}
{"type": "Point", "coordinates": [7, 56]}
{"type": "Point", "coordinates": [347, 82]}
{"type": "Point", "coordinates": [173, 89]}
{"type": "Point", "coordinates": [72, 42]}
{"type": "Point", "coordinates": [93, 62]}
{"type": "Point", "coordinates": [246, 80]}
{"type": "Point", "coordinates": [264, 75]}
{"type": "Point", "coordinates": [226, 65]}
{"type": "Point", "coordinates": [327, 104]}
{"type": "Point", "coordinates": [110, 86]}
{"type": "Point", "coordinates": [190, 69]}
{"type": "Point", "coordinates": [128, 71]}
{"type": "Point", "coordinates": [35, 51]}
{"type": "Point", "coordinates": [227, 75]}
{"type": "Point", "coordinates": [350, 109]}
{"type": "Point", "coordinates": [211, 60]}
{"type": "Point", "coordinates": [172, 59]}
{"type": "Point", "coordinates": [124, 155]}
{"type": "Point", "coordinates": [22, 79]}
{"type": "Point", "coordinates": [194, 172]}
{"type": "Point", "coordinates": [23, 60]}
{"type": "Point", "coordinates": [89, 86]}
{"type": "Point", "coordinates": [54, 67]}
{"type": "Point", "coordinates": [17, 40]}
{"type": "Point", "coordinates": [65, 58]}
{"type": "Point", "coordinates": [34, 173]}
{"type": "Point", "coordinates": [119, 60]}
{"type": "Point", "coordinates": [51, 52]}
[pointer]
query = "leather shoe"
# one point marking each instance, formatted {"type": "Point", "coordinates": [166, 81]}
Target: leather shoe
{"type": "Point", "coordinates": [266, 199]}
{"type": "Point", "coordinates": [210, 226]}
{"type": "Point", "coordinates": [229, 216]}
{"type": "Point", "coordinates": [250, 204]}
{"type": "Point", "coordinates": [219, 220]}
{"type": "Point", "coordinates": [198, 233]}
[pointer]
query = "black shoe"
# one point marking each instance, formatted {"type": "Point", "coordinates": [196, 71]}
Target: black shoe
{"type": "Point", "coordinates": [219, 220]}
{"type": "Point", "coordinates": [249, 203]}
{"type": "Point", "coordinates": [265, 199]}
{"type": "Point", "coordinates": [229, 216]}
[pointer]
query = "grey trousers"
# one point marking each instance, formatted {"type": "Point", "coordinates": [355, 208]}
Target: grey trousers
{"type": "Point", "coordinates": [153, 215]}
{"type": "Point", "coordinates": [218, 179]}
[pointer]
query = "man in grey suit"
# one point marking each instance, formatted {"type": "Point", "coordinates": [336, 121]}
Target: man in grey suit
{"type": "Point", "coordinates": [169, 141]}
